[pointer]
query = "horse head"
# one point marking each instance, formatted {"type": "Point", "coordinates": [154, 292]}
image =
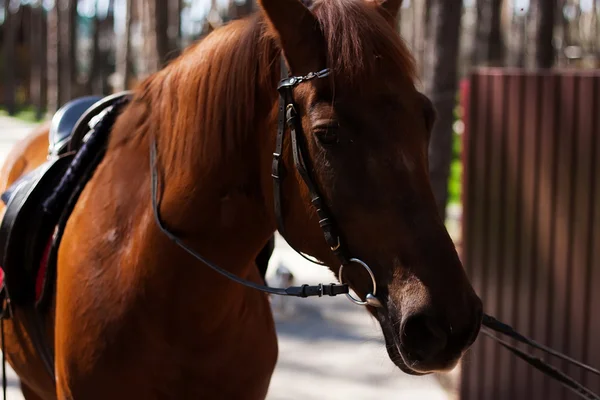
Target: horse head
{"type": "Point", "coordinates": [364, 129]}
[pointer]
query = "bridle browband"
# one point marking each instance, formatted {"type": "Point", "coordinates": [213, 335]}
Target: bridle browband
{"type": "Point", "coordinates": [287, 116]}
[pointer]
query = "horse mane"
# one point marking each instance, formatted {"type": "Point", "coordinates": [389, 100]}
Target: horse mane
{"type": "Point", "coordinates": [203, 104]}
{"type": "Point", "coordinates": [206, 100]}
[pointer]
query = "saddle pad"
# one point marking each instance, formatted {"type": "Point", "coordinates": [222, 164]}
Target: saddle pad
{"type": "Point", "coordinates": [25, 228]}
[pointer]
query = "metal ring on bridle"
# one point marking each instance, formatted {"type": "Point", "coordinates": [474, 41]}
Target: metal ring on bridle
{"type": "Point", "coordinates": [365, 266]}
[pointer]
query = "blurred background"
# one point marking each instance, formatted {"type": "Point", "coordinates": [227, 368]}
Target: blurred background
{"type": "Point", "coordinates": [514, 162]}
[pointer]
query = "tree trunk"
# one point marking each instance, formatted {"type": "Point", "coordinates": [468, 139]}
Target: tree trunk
{"type": "Point", "coordinates": [9, 59]}
{"type": "Point", "coordinates": [92, 81]}
{"type": "Point", "coordinates": [596, 33]}
{"type": "Point", "coordinates": [489, 43]}
{"type": "Point", "coordinates": [37, 58]}
{"type": "Point", "coordinates": [161, 26]}
{"type": "Point", "coordinates": [150, 45]}
{"type": "Point", "coordinates": [43, 28]}
{"type": "Point", "coordinates": [174, 29]}
{"type": "Point", "coordinates": [237, 10]}
{"type": "Point", "coordinates": [155, 23]}
{"type": "Point", "coordinates": [72, 15]}
{"type": "Point", "coordinates": [150, 55]}
{"type": "Point", "coordinates": [67, 46]}
{"type": "Point", "coordinates": [124, 50]}
{"type": "Point", "coordinates": [516, 39]}
{"type": "Point", "coordinates": [419, 34]}
{"type": "Point", "coordinates": [544, 14]}
{"type": "Point", "coordinates": [23, 62]}
{"type": "Point", "coordinates": [148, 65]}
{"type": "Point", "coordinates": [441, 85]}
{"type": "Point", "coordinates": [54, 87]}
{"type": "Point", "coordinates": [107, 38]}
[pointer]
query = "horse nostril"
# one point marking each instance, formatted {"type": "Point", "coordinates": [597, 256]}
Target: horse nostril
{"type": "Point", "coordinates": [422, 336]}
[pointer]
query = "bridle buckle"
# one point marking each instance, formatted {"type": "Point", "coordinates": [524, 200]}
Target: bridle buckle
{"type": "Point", "coordinates": [337, 246]}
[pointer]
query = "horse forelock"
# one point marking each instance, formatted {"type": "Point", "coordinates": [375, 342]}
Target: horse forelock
{"type": "Point", "coordinates": [360, 40]}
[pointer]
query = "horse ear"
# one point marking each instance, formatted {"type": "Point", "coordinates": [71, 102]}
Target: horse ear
{"type": "Point", "coordinates": [392, 7]}
{"type": "Point", "coordinates": [299, 33]}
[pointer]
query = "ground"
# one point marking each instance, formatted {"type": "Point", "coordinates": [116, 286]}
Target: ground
{"type": "Point", "coordinates": [329, 347]}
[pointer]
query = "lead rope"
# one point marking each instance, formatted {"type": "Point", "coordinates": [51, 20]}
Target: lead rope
{"type": "Point", "coordinates": [549, 370]}
{"type": "Point", "coordinates": [331, 289]}
{"type": "Point", "coordinates": [505, 329]}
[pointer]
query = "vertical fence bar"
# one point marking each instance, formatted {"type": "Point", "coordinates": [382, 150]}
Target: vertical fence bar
{"type": "Point", "coordinates": [545, 228]}
{"type": "Point", "coordinates": [476, 173]}
{"type": "Point", "coordinates": [525, 279]}
{"type": "Point", "coordinates": [583, 154]}
{"type": "Point", "coordinates": [494, 227]}
{"type": "Point", "coordinates": [593, 304]}
{"type": "Point", "coordinates": [531, 220]}
{"type": "Point", "coordinates": [507, 293]}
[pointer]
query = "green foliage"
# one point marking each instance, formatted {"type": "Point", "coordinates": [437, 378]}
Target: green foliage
{"type": "Point", "coordinates": [27, 114]}
{"type": "Point", "coordinates": [455, 179]}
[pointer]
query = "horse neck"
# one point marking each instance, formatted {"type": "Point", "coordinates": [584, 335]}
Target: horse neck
{"type": "Point", "coordinates": [223, 206]}
{"type": "Point", "coordinates": [214, 118]}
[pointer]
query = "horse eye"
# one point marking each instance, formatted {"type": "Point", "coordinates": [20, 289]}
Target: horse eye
{"type": "Point", "coordinates": [327, 135]}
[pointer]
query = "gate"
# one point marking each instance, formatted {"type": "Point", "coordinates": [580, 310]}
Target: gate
{"type": "Point", "coordinates": [531, 224]}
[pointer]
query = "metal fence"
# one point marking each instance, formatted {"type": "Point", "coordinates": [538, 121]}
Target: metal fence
{"type": "Point", "coordinates": [531, 223]}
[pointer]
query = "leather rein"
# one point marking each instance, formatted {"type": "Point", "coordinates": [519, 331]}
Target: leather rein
{"type": "Point", "coordinates": [288, 116]}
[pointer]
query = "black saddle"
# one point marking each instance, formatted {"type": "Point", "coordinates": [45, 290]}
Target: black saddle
{"type": "Point", "coordinates": [64, 120]}
{"type": "Point", "coordinates": [74, 120]}
{"type": "Point", "coordinates": [39, 201]}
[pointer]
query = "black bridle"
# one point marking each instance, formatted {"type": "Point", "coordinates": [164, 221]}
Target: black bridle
{"type": "Point", "coordinates": [288, 116]}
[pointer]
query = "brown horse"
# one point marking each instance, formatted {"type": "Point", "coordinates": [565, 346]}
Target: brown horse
{"type": "Point", "coordinates": [136, 317]}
